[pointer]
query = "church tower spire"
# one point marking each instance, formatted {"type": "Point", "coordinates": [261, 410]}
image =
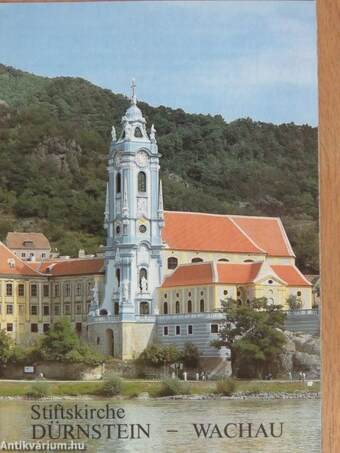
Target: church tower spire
{"type": "Point", "coordinates": [133, 265]}
{"type": "Point", "coordinates": [133, 97]}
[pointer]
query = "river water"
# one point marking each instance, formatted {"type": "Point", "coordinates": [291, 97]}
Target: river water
{"type": "Point", "coordinates": [300, 418]}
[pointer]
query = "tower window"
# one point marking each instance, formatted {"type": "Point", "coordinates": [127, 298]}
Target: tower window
{"type": "Point", "coordinates": [177, 307]}
{"type": "Point", "coordinates": [138, 132]}
{"type": "Point", "coordinates": [118, 277]}
{"type": "Point", "coordinates": [172, 262]}
{"type": "Point", "coordinates": [141, 181]}
{"type": "Point", "coordinates": [118, 183]}
{"type": "Point", "coordinates": [116, 308]}
{"type": "Point", "coordinates": [165, 308]}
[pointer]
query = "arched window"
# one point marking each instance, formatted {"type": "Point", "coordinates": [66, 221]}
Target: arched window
{"type": "Point", "coordinates": [118, 183]}
{"type": "Point", "coordinates": [202, 305]}
{"type": "Point", "coordinates": [223, 260]}
{"type": "Point", "coordinates": [116, 308]}
{"type": "Point", "coordinates": [143, 279]}
{"type": "Point", "coordinates": [172, 262]}
{"type": "Point", "coordinates": [118, 277]}
{"type": "Point", "coordinates": [189, 306]}
{"type": "Point", "coordinates": [141, 181]}
{"type": "Point", "coordinates": [177, 307]}
{"type": "Point", "coordinates": [144, 308]}
{"type": "Point", "coordinates": [197, 260]}
{"type": "Point", "coordinates": [165, 308]}
{"type": "Point", "coordinates": [138, 132]}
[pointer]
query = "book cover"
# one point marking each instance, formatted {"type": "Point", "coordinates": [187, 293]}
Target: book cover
{"type": "Point", "coordinates": [159, 262]}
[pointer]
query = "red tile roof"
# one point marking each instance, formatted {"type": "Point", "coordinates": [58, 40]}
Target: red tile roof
{"type": "Point", "coordinates": [267, 232]}
{"type": "Point", "coordinates": [291, 275]}
{"type": "Point", "coordinates": [237, 273]}
{"type": "Point", "coordinates": [190, 275]}
{"type": "Point", "coordinates": [86, 266]}
{"type": "Point", "coordinates": [205, 232]}
{"type": "Point", "coordinates": [15, 240]}
{"type": "Point", "coordinates": [229, 273]}
{"type": "Point", "coordinates": [223, 233]}
{"type": "Point", "coordinates": [10, 264]}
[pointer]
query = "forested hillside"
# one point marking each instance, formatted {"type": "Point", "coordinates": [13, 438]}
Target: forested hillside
{"type": "Point", "coordinates": [54, 138]}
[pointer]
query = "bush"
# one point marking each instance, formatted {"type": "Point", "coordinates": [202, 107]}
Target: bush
{"type": "Point", "coordinates": [174, 386]}
{"type": "Point", "coordinates": [112, 386]}
{"type": "Point", "coordinates": [61, 343]}
{"type": "Point", "coordinates": [225, 387]}
{"type": "Point", "coordinates": [38, 390]}
{"type": "Point", "coordinates": [157, 356]}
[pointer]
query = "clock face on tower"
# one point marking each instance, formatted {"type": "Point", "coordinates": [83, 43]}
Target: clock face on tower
{"type": "Point", "coordinates": [142, 158]}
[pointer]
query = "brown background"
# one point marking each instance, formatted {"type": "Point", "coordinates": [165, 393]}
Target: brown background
{"type": "Point", "coordinates": [329, 153]}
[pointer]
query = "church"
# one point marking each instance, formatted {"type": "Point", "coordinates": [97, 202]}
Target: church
{"type": "Point", "coordinates": [163, 275]}
{"type": "Point", "coordinates": [166, 273]}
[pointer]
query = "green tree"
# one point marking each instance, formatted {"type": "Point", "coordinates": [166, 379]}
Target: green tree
{"type": "Point", "coordinates": [60, 341]}
{"type": "Point", "coordinates": [157, 356]}
{"type": "Point", "coordinates": [5, 347]}
{"type": "Point", "coordinates": [253, 334]}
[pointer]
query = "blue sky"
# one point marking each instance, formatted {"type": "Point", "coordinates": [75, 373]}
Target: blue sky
{"type": "Point", "coordinates": [239, 59]}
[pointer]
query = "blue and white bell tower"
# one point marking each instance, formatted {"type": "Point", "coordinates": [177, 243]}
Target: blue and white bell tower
{"type": "Point", "coordinates": [133, 220]}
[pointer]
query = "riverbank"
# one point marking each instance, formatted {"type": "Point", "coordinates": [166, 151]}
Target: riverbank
{"type": "Point", "coordinates": [152, 389]}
